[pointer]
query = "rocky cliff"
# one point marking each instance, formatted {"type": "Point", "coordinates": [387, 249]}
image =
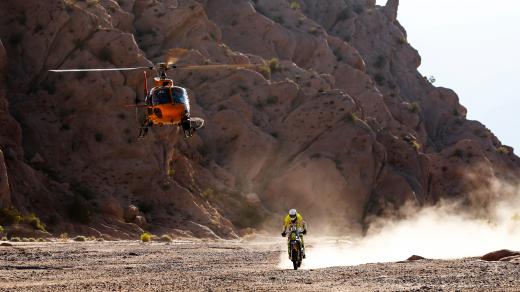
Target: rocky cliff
{"type": "Point", "coordinates": [337, 123]}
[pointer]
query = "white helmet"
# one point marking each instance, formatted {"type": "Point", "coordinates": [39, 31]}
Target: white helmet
{"type": "Point", "coordinates": [292, 214]}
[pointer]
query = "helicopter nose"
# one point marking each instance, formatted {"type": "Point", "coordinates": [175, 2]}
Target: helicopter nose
{"type": "Point", "coordinates": [158, 113]}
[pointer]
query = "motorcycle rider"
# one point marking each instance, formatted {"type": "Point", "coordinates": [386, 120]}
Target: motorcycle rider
{"type": "Point", "coordinates": [294, 218]}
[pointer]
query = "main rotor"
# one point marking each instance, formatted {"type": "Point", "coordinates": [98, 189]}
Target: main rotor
{"type": "Point", "coordinates": [173, 57]}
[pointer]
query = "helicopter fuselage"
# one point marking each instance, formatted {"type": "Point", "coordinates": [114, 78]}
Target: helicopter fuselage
{"type": "Point", "coordinates": [166, 114]}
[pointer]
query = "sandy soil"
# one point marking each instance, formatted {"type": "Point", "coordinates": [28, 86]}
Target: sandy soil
{"type": "Point", "coordinates": [227, 265]}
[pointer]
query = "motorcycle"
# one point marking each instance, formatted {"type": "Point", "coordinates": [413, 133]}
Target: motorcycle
{"type": "Point", "coordinates": [295, 246]}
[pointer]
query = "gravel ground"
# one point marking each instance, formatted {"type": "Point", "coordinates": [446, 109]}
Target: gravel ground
{"type": "Point", "coordinates": [226, 265]}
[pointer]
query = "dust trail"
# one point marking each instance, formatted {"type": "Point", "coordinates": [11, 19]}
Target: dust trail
{"type": "Point", "coordinates": [440, 232]}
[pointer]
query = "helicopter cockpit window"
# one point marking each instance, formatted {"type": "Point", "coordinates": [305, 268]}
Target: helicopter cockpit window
{"type": "Point", "coordinates": [161, 96]}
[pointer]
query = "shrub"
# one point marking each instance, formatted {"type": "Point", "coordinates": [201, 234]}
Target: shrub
{"type": "Point", "coordinates": [415, 145]}
{"type": "Point", "coordinates": [208, 193]}
{"type": "Point", "coordinates": [400, 41]}
{"type": "Point", "coordinates": [503, 150]}
{"type": "Point", "coordinates": [165, 238]}
{"type": "Point", "coordinates": [1, 229]}
{"type": "Point", "coordinates": [34, 221]}
{"type": "Point", "coordinates": [40, 240]}
{"type": "Point", "coordinates": [145, 207]}
{"type": "Point", "coordinates": [64, 236]}
{"type": "Point", "coordinates": [379, 78]}
{"type": "Point", "coordinates": [458, 153]}
{"type": "Point", "coordinates": [91, 3]}
{"type": "Point", "coordinates": [351, 117]}
{"type": "Point", "coordinates": [25, 239]}
{"type": "Point", "coordinates": [295, 5]}
{"type": "Point", "coordinates": [31, 239]}
{"type": "Point", "coordinates": [272, 100]}
{"type": "Point", "coordinates": [4, 239]}
{"type": "Point", "coordinates": [358, 9]}
{"type": "Point", "coordinates": [265, 71]}
{"type": "Point", "coordinates": [414, 107]}
{"type": "Point", "coordinates": [274, 64]}
{"type": "Point", "coordinates": [380, 62]}
{"type": "Point", "coordinates": [145, 237]}
{"type": "Point", "coordinates": [15, 239]}
{"type": "Point", "coordinates": [80, 238]}
{"type": "Point", "coordinates": [9, 216]}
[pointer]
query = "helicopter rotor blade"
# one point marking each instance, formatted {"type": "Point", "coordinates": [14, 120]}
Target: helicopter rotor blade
{"type": "Point", "coordinates": [100, 69]}
{"type": "Point", "coordinates": [219, 66]}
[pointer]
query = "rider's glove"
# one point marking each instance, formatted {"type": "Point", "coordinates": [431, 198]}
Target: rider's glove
{"type": "Point", "coordinates": [284, 234]}
{"type": "Point", "coordinates": [304, 231]}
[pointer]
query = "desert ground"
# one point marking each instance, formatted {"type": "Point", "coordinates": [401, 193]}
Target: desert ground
{"type": "Point", "coordinates": [227, 266]}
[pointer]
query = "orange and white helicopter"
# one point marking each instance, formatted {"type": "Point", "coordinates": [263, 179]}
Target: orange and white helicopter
{"type": "Point", "coordinates": [165, 103]}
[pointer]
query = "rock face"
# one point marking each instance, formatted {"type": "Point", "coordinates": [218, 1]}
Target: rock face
{"type": "Point", "coordinates": [338, 123]}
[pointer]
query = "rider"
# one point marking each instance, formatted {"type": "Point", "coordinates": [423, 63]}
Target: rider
{"type": "Point", "coordinates": [295, 218]}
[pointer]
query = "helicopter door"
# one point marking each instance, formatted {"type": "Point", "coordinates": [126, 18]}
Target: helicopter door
{"type": "Point", "coordinates": [180, 96]}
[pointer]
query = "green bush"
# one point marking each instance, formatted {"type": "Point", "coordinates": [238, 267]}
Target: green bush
{"type": "Point", "coordinates": [379, 78]}
{"type": "Point", "coordinates": [15, 239]}
{"type": "Point", "coordinates": [9, 216]}
{"type": "Point", "coordinates": [272, 100]}
{"type": "Point", "coordinates": [34, 221]}
{"type": "Point", "coordinates": [145, 237]}
{"type": "Point", "coordinates": [295, 5]}
{"type": "Point", "coordinates": [380, 62]}
{"type": "Point", "coordinates": [414, 107]}
{"type": "Point", "coordinates": [274, 64]}
{"type": "Point", "coordinates": [351, 117]}
{"type": "Point", "coordinates": [40, 240]}
{"type": "Point", "coordinates": [80, 238]}
{"type": "Point", "coordinates": [4, 239]}
{"type": "Point", "coordinates": [265, 71]}
{"type": "Point", "coordinates": [1, 229]}
{"type": "Point", "coordinates": [503, 150]}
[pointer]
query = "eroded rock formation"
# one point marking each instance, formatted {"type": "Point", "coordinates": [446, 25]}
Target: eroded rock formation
{"type": "Point", "coordinates": [338, 123]}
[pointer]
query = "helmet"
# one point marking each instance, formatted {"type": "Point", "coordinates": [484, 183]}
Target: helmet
{"type": "Point", "coordinates": [292, 214]}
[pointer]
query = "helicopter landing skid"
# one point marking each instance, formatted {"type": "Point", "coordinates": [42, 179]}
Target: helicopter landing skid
{"type": "Point", "coordinates": [143, 130]}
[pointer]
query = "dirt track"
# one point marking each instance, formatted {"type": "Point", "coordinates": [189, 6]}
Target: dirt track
{"type": "Point", "coordinates": [208, 266]}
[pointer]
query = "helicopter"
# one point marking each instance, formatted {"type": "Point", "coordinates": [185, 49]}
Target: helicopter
{"type": "Point", "coordinates": [165, 104]}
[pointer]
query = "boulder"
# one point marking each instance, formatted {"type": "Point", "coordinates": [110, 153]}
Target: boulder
{"type": "Point", "coordinates": [499, 255]}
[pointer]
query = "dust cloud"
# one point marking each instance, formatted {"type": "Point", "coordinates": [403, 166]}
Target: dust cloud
{"type": "Point", "coordinates": [445, 231]}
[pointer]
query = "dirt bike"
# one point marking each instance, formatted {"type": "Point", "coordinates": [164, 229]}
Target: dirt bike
{"type": "Point", "coordinates": [295, 246]}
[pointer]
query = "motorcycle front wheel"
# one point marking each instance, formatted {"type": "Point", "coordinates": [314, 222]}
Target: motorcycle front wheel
{"type": "Point", "coordinates": [295, 259]}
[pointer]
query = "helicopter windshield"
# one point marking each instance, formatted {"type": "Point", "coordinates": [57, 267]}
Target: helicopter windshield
{"type": "Point", "coordinates": [161, 96]}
